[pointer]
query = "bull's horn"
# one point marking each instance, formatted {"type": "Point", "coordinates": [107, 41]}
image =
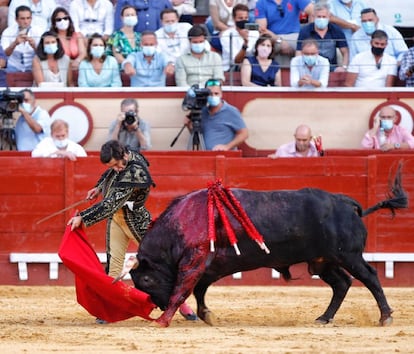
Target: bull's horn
{"type": "Point", "coordinates": [131, 263]}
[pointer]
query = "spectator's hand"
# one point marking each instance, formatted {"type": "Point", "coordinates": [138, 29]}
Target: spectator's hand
{"type": "Point", "coordinates": [306, 80]}
{"type": "Point", "coordinates": [376, 124]}
{"type": "Point", "coordinates": [68, 154]}
{"type": "Point", "coordinates": [387, 147]}
{"type": "Point", "coordinates": [244, 33]}
{"type": "Point", "coordinates": [21, 38]}
{"type": "Point", "coordinates": [220, 147]}
{"type": "Point", "coordinates": [169, 69]}
{"type": "Point", "coordinates": [31, 41]}
{"type": "Point", "coordinates": [340, 69]}
{"type": "Point", "coordinates": [129, 69]}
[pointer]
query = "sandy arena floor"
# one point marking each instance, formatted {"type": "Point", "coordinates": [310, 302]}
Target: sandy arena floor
{"type": "Point", "coordinates": [248, 320]}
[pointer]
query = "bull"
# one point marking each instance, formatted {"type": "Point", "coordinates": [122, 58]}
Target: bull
{"type": "Point", "coordinates": [324, 230]}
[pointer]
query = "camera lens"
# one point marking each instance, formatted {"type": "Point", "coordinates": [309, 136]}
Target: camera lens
{"type": "Point", "coordinates": [130, 117]}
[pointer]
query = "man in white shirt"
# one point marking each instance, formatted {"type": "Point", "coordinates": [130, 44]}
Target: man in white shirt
{"type": "Point", "coordinates": [41, 11]}
{"type": "Point", "coordinates": [59, 144]}
{"type": "Point", "coordinates": [237, 42]}
{"type": "Point", "coordinates": [373, 68]}
{"type": "Point", "coordinates": [91, 17]}
{"type": "Point", "coordinates": [172, 36]}
{"type": "Point", "coordinates": [360, 41]}
{"type": "Point", "coordinates": [20, 40]}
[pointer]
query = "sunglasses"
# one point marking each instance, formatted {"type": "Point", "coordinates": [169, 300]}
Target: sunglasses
{"type": "Point", "coordinates": [281, 10]}
{"type": "Point", "coordinates": [61, 19]}
{"type": "Point", "coordinates": [213, 83]}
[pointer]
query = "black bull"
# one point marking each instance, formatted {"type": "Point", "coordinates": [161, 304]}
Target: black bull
{"type": "Point", "coordinates": [323, 229]}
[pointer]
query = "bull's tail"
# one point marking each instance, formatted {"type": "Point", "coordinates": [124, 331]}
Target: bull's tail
{"type": "Point", "coordinates": [397, 197]}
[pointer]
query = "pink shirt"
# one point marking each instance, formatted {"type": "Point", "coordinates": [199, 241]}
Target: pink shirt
{"type": "Point", "coordinates": [289, 150]}
{"type": "Point", "coordinates": [398, 134]}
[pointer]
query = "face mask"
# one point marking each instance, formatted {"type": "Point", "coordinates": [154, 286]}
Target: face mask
{"type": "Point", "coordinates": [263, 51]}
{"type": "Point", "coordinates": [97, 51]}
{"type": "Point", "coordinates": [27, 107]}
{"type": "Point", "coordinates": [61, 144]}
{"type": "Point", "coordinates": [171, 27]}
{"type": "Point", "coordinates": [387, 124]}
{"type": "Point", "coordinates": [346, 1]}
{"type": "Point", "coordinates": [198, 47]}
{"type": "Point", "coordinates": [213, 101]}
{"type": "Point", "coordinates": [62, 25]}
{"type": "Point", "coordinates": [148, 50]}
{"type": "Point", "coordinates": [51, 48]}
{"type": "Point", "coordinates": [130, 21]}
{"type": "Point", "coordinates": [377, 51]}
{"type": "Point", "coordinates": [310, 60]}
{"type": "Point", "coordinates": [240, 24]}
{"type": "Point", "coordinates": [321, 22]}
{"type": "Point", "coordinates": [368, 27]}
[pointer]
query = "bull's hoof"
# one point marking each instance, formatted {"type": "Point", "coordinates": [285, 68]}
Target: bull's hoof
{"type": "Point", "coordinates": [162, 322]}
{"type": "Point", "coordinates": [323, 320]}
{"type": "Point", "coordinates": [208, 317]}
{"type": "Point", "coordinates": [386, 321]}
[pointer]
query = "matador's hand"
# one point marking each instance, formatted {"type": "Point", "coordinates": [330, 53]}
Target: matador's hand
{"type": "Point", "coordinates": [75, 222]}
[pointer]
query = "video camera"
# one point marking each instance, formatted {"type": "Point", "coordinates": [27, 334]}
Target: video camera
{"type": "Point", "coordinates": [195, 98]}
{"type": "Point", "coordinates": [9, 103]}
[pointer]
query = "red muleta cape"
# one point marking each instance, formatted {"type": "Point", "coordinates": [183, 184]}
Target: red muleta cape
{"type": "Point", "coordinates": [94, 288]}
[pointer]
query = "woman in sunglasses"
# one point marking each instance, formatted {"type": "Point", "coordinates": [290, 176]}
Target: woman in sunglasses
{"type": "Point", "coordinates": [72, 42]}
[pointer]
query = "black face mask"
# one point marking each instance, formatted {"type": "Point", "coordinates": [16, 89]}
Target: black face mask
{"type": "Point", "coordinates": [240, 24]}
{"type": "Point", "coordinates": [377, 51]}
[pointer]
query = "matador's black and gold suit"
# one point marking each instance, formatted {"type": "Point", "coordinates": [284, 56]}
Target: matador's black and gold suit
{"type": "Point", "coordinates": [124, 195]}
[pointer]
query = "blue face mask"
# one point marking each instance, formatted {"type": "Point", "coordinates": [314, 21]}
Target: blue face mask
{"type": "Point", "coordinates": [213, 101]}
{"type": "Point", "coordinates": [310, 60]}
{"type": "Point", "coordinates": [368, 27]}
{"type": "Point", "coordinates": [148, 50]}
{"type": "Point", "coordinates": [387, 124]}
{"type": "Point", "coordinates": [97, 51]}
{"type": "Point", "coordinates": [51, 48]}
{"type": "Point", "coordinates": [198, 47]}
{"type": "Point", "coordinates": [321, 23]}
{"type": "Point", "coordinates": [171, 27]}
{"type": "Point", "coordinates": [130, 21]}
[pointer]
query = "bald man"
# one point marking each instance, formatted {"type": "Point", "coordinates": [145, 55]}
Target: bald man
{"type": "Point", "coordinates": [396, 137]}
{"type": "Point", "coordinates": [303, 145]}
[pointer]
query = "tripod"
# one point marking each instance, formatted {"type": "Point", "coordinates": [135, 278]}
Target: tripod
{"type": "Point", "coordinates": [7, 133]}
{"type": "Point", "coordinates": [196, 140]}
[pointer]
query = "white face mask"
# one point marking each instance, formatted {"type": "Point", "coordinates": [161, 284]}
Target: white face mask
{"type": "Point", "coordinates": [27, 107]}
{"type": "Point", "coordinates": [61, 144]}
{"type": "Point", "coordinates": [62, 25]}
{"type": "Point", "coordinates": [130, 21]}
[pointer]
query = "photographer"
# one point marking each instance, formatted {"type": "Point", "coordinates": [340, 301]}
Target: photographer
{"type": "Point", "coordinates": [407, 68]}
{"type": "Point", "coordinates": [129, 128]}
{"type": "Point", "coordinates": [222, 125]}
{"type": "Point", "coordinates": [33, 124]}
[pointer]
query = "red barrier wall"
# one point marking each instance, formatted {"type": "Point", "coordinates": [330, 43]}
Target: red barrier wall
{"type": "Point", "coordinates": [33, 188]}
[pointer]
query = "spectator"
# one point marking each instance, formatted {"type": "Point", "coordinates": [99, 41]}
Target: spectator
{"type": "Point", "coordinates": [3, 63]}
{"type": "Point", "coordinates": [129, 129]}
{"type": "Point", "coordinates": [396, 137]}
{"type": "Point", "coordinates": [280, 19]}
{"type": "Point", "coordinates": [222, 125]}
{"type": "Point", "coordinates": [370, 22]}
{"type": "Point", "coordinates": [125, 41]}
{"type": "Point", "coordinates": [51, 64]}
{"type": "Point", "coordinates": [172, 36]}
{"type": "Point", "coordinates": [407, 68]}
{"type": "Point", "coordinates": [59, 144]}
{"type": "Point", "coordinates": [41, 12]}
{"type": "Point", "coordinates": [148, 67]}
{"type": "Point", "coordinates": [221, 19]}
{"type": "Point", "coordinates": [73, 43]}
{"type": "Point", "coordinates": [309, 70]}
{"type": "Point", "coordinates": [373, 68]}
{"type": "Point", "coordinates": [33, 124]}
{"type": "Point", "coordinates": [185, 10]}
{"type": "Point", "coordinates": [330, 37]}
{"type": "Point", "coordinates": [198, 64]}
{"type": "Point", "coordinates": [303, 146]}
{"type": "Point", "coordinates": [20, 40]}
{"type": "Point", "coordinates": [237, 42]}
{"type": "Point", "coordinates": [347, 15]}
{"type": "Point", "coordinates": [149, 12]}
{"type": "Point", "coordinates": [261, 69]}
{"type": "Point", "coordinates": [4, 10]}
{"type": "Point", "coordinates": [92, 16]}
{"type": "Point", "coordinates": [98, 69]}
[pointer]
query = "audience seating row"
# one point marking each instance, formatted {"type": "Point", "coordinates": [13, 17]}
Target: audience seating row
{"type": "Point", "coordinates": [336, 79]}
